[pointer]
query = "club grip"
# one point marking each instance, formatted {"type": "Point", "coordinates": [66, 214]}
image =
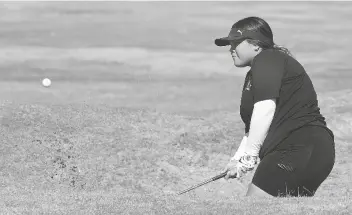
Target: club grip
{"type": "Point", "coordinates": [220, 176]}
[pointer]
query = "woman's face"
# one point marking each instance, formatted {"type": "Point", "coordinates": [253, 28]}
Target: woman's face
{"type": "Point", "coordinates": [243, 53]}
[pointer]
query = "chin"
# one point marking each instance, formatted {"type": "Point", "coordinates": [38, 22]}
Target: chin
{"type": "Point", "coordinates": [237, 64]}
{"type": "Point", "coordinates": [240, 65]}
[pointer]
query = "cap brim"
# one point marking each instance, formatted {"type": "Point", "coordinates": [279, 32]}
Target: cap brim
{"type": "Point", "coordinates": [224, 41]}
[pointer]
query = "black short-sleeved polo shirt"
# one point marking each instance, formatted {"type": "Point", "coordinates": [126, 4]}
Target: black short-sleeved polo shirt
{"type": "Point", "coordinates": [274, 74]}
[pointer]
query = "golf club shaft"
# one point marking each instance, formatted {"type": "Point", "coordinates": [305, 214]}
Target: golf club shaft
{"type": "Point", "coordinates": [204, 182]}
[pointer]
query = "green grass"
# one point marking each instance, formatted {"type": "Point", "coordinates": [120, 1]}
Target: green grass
{"type": "Point", "coordinates": [128, 123]}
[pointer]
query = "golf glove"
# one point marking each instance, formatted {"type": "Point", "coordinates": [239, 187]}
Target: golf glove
{"type": "Point", "coordinates": [246, 164]}
{"type": "Point", "coordinates": [239, 168]}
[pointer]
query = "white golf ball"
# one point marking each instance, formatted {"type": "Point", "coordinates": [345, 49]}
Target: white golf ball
{"type": "Point", "coordinates": [46, 82]}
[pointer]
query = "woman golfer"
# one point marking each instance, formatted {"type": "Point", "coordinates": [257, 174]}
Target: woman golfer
{"type": "Point", "coordinates": [284, 128]}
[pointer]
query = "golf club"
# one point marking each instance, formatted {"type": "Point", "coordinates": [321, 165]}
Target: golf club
{"type": "Point", "coordinates": [203, 183]}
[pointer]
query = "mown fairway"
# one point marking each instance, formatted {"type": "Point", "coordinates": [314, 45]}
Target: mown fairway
{"type": "Point", "coordinates": [143, 105]}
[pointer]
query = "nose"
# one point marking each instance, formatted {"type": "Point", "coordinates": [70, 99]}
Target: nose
{"type": "Point", "coordinates": [232, 49]}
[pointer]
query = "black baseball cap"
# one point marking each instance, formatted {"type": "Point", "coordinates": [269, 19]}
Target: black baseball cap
{"type": "Point", "coordinates": [238, 35]}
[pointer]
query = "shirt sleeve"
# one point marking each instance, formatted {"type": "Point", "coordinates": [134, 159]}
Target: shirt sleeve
{"type": "Point", "coordinates": [267, 72]}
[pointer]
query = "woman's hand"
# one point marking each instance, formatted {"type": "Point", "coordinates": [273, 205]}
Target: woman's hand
{"type": "Point", "coordinates": [236, 169]}
{"type": "Point", "coordinates": [231, 169]}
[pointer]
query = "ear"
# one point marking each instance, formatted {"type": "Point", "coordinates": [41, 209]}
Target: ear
{"type": "Point", "coordinates": [256, 48]}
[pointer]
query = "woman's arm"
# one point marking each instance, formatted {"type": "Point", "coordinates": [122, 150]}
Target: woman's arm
{"type": "Point", "coordinates": [262, 116]}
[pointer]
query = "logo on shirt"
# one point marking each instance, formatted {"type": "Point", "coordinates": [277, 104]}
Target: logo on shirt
{"type": "Point", "coordinates": [249, 85]}
{"type": "Point", "coordinates": [239, 31]}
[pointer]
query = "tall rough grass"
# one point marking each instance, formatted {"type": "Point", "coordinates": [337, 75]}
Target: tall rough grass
{"type": "Point", "coordinates": [90, 148]}
{"type": "Point", "coordinates": [133, 158]}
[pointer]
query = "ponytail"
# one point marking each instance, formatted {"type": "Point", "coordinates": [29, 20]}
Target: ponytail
{"type": "Point", "coordinates": [270, 46]}
{"type": "Point", "coordinates": [282, 49]}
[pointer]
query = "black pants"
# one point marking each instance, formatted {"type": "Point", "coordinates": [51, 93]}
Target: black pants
{"type": "Point", "coordinates": [300, 166]}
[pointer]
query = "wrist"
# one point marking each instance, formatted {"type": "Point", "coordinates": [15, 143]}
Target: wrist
{"type": "Point", "coordinates": [241, 149]}
{"type": "Point", "coordinates": [253, 146]}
